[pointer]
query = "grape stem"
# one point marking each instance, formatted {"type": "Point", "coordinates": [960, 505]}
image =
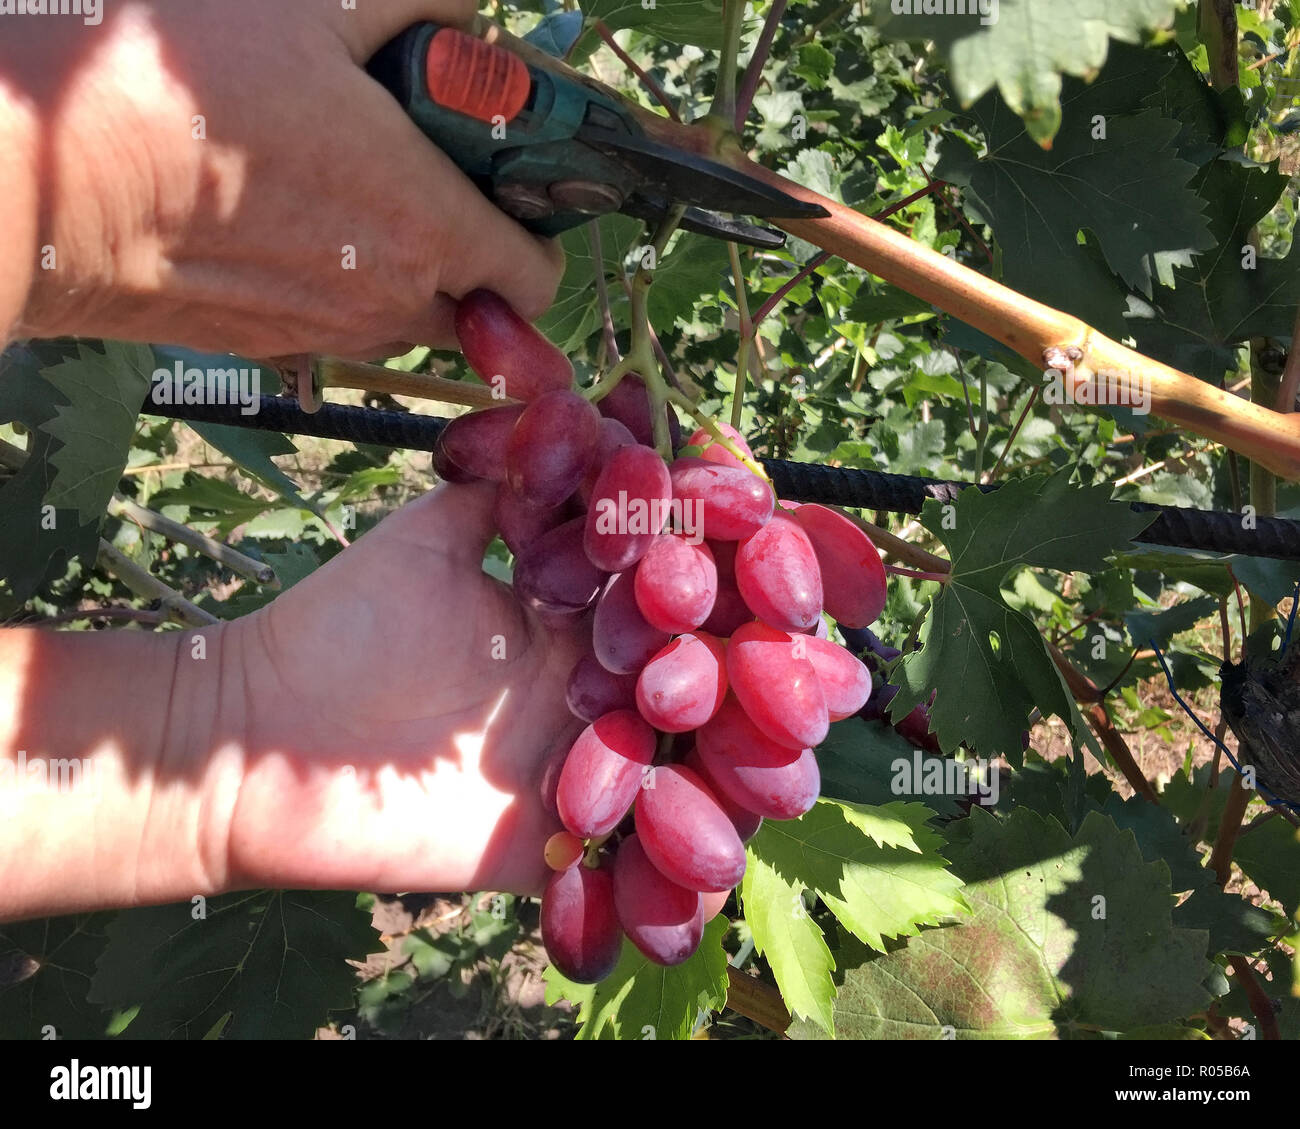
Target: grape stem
{"type": "Point", "coordinates": [746, 337]}
{"type": "Point", "coordinates": [936, 577]}
{"type": "Point", "coordinates": [715, 432]}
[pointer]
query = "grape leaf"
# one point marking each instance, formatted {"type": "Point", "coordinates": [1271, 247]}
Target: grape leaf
{"type": "Point", "coordinates": [1220, 301]}
{"type": "Point", "coordinates": [1269, 853]}
{"type": "Point", "coordinates": [641, 1000]}
{"type": "Point", "coordinates": [1129, 190]}
{"type": "Point", "coordinates": [45, 972]}
{"type": "Point", "coordinates": [103, 393]}
{"type": "Point", "coordinates": [984, 691]}
{"type": "Point", "coordinates": [41, 543]}
{"type": "Point", "coordinates": [1036, 959]}
{"type": "Point", "coordinates": [791, 941]}
{"type": "Point", "coordinates": [275, 962]}
{"type": "Point", "coordinates": [859, 762]}
{"type": "Point", "coordinates": [1023, 47]}
{"type": "Point", "coordinates": [575, 313]}
{"type": "Point", "coordinates": [691, 269]}
{"type": "Point", "coordinates": [695, 23]}
{"type": "Point", "coordinates": [1233, 924]}
{"type": "Point", "coordinates": [1145, 627]}
{"type": "Point", "coordinates": [229, 505]}
{"type": "Point", "coordinates": [877, 869]}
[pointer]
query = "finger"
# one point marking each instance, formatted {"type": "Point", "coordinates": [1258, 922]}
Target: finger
{"type": "Point", "coordinates": [455, 520]}
{"type": "Point", "coordinates": [481, 247]}
{"type": "Point", "coordinates": [367, 27]}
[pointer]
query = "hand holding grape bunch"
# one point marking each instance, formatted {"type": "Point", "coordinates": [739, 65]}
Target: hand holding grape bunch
{"type": "Point", "coordinates": [708, 676]}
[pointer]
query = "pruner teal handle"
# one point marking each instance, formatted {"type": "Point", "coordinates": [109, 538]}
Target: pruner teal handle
{"type": "Point", "coordinates": [510, 126]}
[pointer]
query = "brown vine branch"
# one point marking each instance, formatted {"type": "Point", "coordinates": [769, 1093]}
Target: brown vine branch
{"type": "Point", "coordinates": [1090, 695]}
{"type": "Point", "coordinates": [757, 1001]}
{"type": "Point", "coordinates": [1229, 827]}
{"type": "Point", "coordinates": [1029, 328]}
{"type": "Point", "coordinates": [1217, 21]}
{"type": "Point", "coordinates": [1260, 1004]}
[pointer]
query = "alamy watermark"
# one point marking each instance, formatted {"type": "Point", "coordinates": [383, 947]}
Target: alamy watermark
{"type": "Point", "coordinates": [943, 776]}
{"type": "Point", "coordinates": [987, 10]}
{"type": "Point", "coordinates": [641, 516]}
{"type": "Point", "coordinates": [181, 385]}
{"type": "Point", "coordinates": [90, 11]}
{"type": "Point", "coordinates": [1106, 389]}
{"type": "Point", "coordinates": [62, 775]}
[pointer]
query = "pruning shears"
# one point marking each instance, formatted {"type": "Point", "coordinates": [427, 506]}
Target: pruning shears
{"type": "Point", "coordinates": [554, 151]}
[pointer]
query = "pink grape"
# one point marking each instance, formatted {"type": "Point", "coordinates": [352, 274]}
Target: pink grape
{"type": "Point", "coordinates": [845, 679]}
{"type": "Point", "coordinates": [603, 772]}
{"type": "Point", "coordinates": [676, 584]}
{"type": "Point", "coordinates": [580, 927]}
{"type": "Point", "coordinates": [623, 641]}
{"type": "Point", "coordinates": [613, 435]}
{"type": "Point", "coordinates": [778, 689]}
{"type": "Point", "coordinates": [629, 506]}
{"type": "Point", "coordinates": [752, 771]}
{"type": "Point", "coordinates": [552, 447]}
{"type": "Point", "coordinates": [729, 611]}
{"type": "Point", "coordinates": [851, 569]}
{"type": "Point", "coordinates": [745, 822]}
{"type": "Point", "coordinates": [520, 523]}
{"type": "Point", "coordinates": [474, 446]}
{"type": "Point", "coordinates": [497, 342]}
{"type": "Point", "coordinates": [629, 403]}
{"type": "Point", "coordinates": [684, 684]}
{"type": "Point", "coordinates": [554, 575]}
{"type": "Point", "coordinates": [663, 920]}
{"type": "Point", "coordinates": [778, 574]}
{"type": "Point", "coordinates": [714, 452]}
{"type": "Point", "coordinates": [730, 503]}
{"type": "Point", "coordinates": [593, 692]}
{"type": "Point", "coordinates": [686, 833]}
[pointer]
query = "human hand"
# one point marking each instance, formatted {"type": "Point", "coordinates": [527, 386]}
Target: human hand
{"type": "Point", "coordinates": [396, 712]}
{"type": "Point", "coordinates": [236, 241]}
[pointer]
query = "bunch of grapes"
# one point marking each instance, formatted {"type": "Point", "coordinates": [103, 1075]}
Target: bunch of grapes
{"type": "Point", "coordinates": [710, 676]}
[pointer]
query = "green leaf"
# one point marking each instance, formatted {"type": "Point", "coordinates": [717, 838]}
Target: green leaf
{"type": "Point", "coordinates": [691, 269]}
{"type": "Point", "coordinates": [1145, 628]}
{"type": "Point", "coordinates": [45, 972]}
{"type": "Point", "coordinates": [878, 869]}
{"type": "Point", "coordinates": [277, 961]}
{"type": "Point", "coordinates": [1024, 48]}
{"type": "Point", "coordinates": [642, 1000]}
{"type": "Point", "coordinates": [1036, 959]}
{"type": "Point", "coordinates": [103, 393]}
{"type": "Point", "coordinates": [252, 451]}
{"type": "Point", "coordinates": [987, 664]}
{"type": "Point", "coordinates": [1219, 302]}
{"type": "Point", "coordinates": [40, 543]}
{"type": "Point", "coordinates": [1233, 924]}
{"type": "Point", "coordinates": [688, 22]}
{"type": "Point", "coordinates": [1129, 191]}
{"type": "Point", "coordinates": [786, 935]}
{"type": "Point", "coordinates": [575, 313]}
{"type": "Point", "coordinates": [867, 762]}
{"type": "Point", "coordinates": [228, 504]}
{"type": "Point", "coordinates": [1269, 853]}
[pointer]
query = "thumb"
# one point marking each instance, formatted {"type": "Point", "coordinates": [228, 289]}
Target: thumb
{"type": "Point", "coordinates": [455, 520]}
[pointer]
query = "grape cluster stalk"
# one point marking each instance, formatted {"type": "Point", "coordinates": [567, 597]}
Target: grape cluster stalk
{"type": "Point", "coordinates": [710, 675]}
